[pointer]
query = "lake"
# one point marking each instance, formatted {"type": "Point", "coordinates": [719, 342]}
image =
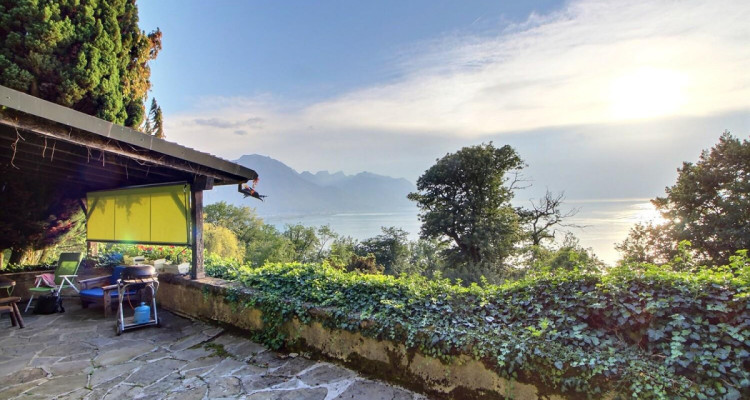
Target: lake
{"type": "Point", "coordinates": [606, 222]}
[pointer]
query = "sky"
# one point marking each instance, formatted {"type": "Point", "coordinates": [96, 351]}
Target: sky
{"type": "Point", "coordinates": [602, 99]}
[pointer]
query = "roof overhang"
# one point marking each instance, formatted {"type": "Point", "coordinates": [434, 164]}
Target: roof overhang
{"type": "Point", "coordinates": [54, 144]}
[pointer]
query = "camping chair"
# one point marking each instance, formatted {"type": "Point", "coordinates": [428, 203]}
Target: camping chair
{"type": "Point", "coordinates": [103, 290]}
{"type": "Point", "coordinates": [67, 268]}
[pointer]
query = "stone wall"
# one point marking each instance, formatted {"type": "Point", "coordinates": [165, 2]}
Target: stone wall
{"type": "Point", "coordinates": [461, 379]}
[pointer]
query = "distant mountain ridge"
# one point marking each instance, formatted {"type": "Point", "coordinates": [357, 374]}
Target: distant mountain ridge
{"type": "Point", "coordinates": [293, 193]}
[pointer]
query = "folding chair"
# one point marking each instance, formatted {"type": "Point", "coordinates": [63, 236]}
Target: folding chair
{"type": "Point", "coordinates": [67, 268]}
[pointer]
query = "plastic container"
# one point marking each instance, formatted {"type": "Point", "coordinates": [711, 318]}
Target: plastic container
{"type": "Point", "coordinates": [142, 314]}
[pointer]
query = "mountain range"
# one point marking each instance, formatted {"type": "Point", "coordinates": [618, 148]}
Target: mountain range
{"type": "Point", "coordinates": [292, 193]}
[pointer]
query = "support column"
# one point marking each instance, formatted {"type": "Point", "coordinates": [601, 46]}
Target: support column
{"type": "Point", "coordinates": [196, 270]}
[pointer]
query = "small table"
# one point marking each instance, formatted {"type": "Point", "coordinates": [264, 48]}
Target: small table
{"type": "Point", "coordinates": [10, 304]}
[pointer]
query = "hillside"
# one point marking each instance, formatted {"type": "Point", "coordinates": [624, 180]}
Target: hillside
{"type": "Point", "coordinates": [293, 193]}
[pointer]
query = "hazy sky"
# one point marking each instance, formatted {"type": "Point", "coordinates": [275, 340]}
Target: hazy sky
{"type": "Point", "coordinates": [602, 99]}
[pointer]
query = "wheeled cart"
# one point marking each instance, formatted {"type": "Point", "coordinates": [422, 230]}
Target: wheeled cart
{"type": "Point", "coordinates": [123, 286]}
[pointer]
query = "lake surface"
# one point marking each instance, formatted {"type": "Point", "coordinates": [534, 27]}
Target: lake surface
{"type": "Point", "coordinates": [606, 222]}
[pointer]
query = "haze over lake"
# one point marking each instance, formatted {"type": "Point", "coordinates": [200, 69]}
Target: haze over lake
{"type": "Point", "coordinates": [606, 222]}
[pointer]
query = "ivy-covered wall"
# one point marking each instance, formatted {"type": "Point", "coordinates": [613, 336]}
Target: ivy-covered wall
{"type": "Point", "coordinates": [638, 333]}
{"type": "Point", "coordinates": [226, 303]}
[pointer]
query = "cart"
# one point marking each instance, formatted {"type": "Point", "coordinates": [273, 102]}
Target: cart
{"type": "Point", "coordinates": [123, 285]}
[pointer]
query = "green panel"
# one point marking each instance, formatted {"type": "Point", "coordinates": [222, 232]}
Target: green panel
{"type": "Point", "coordinates": [133, 217]}
{"type": "Point", "coordinates": [100, 225]}
{"type": "Point", "coordinates": [159, 214]}
{"type": "Point", "coordinates": [170, 215]}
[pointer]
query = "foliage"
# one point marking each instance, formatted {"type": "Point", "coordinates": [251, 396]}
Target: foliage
{"type": "Point", "coordinates": [90, 56]}
{"type": "Point", "coordinates": [708, 206]}
{"type": "Point", "coordinates": [111, 254]}
{"type": "Point", "coordinates": [11, 268]}
{"type": "Point", "coordinates": [424, 257]}
{"type": "Point", "coordinates": [262, 242]}
{"type": "Point", "coordinates": [390, 249]}
{"type": "Point", "coordinates": [364, 264]}
{"type": "Point", "coordinates": [569, 256]}
{"type": "Point", "coordinates": [35, 216]}
{"type": "Point", "coordinates": [224, 268]}
{"type": "Point", "coordinates": [648, 332]}
{"type": "Point", "coordinates": [267, 244]}
{"type": "Point", "coordinates": [341, 251]}
{"type": "Point", "coordinates": [303, 240]}
{"type": "Point", "coordinates": [465, 198]}
{"type": "Point", "coordinates": [242, 221]}
{"type": "Point", "coordinates": [222, 242]}
{"type": "Point", "coordinates": [647, 243]}
{"type": "Point", "coordinates": [153, 124]}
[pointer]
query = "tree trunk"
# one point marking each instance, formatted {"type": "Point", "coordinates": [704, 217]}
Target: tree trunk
{"type": "Point", "coordinates": [16, 256]}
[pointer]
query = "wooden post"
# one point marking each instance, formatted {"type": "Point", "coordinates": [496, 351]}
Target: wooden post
{"type": "Point", "coordinates": [196, 271]}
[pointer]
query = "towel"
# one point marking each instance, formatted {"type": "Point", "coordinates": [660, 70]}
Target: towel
{"type": "Point", "coordinates": [45, 279]}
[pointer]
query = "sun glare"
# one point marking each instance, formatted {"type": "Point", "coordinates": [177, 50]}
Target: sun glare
{"type": "Point", "coordinates": [645, 213]}
{"type": "Point", "coordinates": [647, 93]}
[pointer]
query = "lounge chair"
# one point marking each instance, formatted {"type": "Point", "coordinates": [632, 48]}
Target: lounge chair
{"type": "Point", "coordinates": [103, 291]}
{"type": "Point", "coordinates": [67, 268]}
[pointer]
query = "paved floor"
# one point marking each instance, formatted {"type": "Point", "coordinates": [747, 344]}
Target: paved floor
{"type": "Point", "coordinates": [76, 355]}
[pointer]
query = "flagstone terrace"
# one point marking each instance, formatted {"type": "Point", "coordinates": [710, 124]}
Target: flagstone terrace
{"type": "Point", "coordinates": [77, 355]}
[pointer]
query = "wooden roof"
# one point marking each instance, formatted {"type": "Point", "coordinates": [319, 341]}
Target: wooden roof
{"type": "Point", "coordinates": [45, 142]}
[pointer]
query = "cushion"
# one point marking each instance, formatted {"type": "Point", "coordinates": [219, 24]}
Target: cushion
{"type": "Point", "coordinates": [41, 289]}
{"type": "Point", "coordinates": [99, 292]}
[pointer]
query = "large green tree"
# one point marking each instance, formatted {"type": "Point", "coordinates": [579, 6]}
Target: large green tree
{"type": "Point", "coordinates": [303, 240]}
{"type": "Point", "coordinates": [391, 249]}
{"type": "Point", "coordinates": [709, 206]}
{"type": "Point", "coordinates": [465, 199]}
{"type": "Point", "coordinates": [89, 55]}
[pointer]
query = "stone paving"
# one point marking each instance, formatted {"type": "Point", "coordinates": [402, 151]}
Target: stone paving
{"type": "Point", "coordinates": [76, 355]}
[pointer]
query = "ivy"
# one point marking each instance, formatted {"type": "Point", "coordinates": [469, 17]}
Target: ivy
{"type": "Point", "coordinates": [643, 333]}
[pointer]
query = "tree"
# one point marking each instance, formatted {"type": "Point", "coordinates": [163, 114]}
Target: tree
{"type": "Point", "coordinates": [266, 244]}
{"type": "Point", "coordinates": [341, 251]}
{"type": "Point", "coordinates": [153, 124]}
{"type": "Point", "coordinates": [221, 241]}
{"type": "Point", "coordinates": [569, 256]}
{"type": "Point", "coordinates": [303, 240]}
{"type": "Point", "coordinates": [263, 243]}
{"type": "Point", "coordinates": [424, 258]}
{"type": "Point", "coordinates": [87, 55]}
{"type": "Point", "coordinates": [543, 216]}
{"type": "Point", "coordinates": [465, 199]}
{"type": "Point", "coordinates": [391, 249]}
{"type": "Point", "coordinates": [647, 243]}
{"type": "Point", "coordinates": [708, 206]}
{"type": "Point", "coordinates": [242, 221]}
{"type": "Point", "coordinates": [325, 235]}
{"type": "Point", "coordinates": [38, 217]}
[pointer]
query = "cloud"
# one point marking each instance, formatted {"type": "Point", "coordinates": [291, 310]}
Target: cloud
{"type": "Point", "coordinates": [222, 123]}
{"type": "Point", "coordinates": [591, 62]}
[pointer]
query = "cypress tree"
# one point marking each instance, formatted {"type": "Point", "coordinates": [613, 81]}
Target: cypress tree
{"type": "Point", "coordinates": [89, 55]}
